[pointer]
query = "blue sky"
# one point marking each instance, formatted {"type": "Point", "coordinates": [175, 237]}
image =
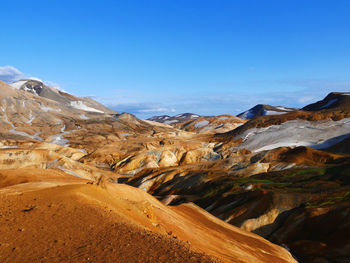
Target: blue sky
{"type": "Point", "coordinates": [157, 57]}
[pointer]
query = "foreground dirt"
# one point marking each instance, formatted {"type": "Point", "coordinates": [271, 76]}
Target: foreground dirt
{"type": "Point", "coordinates": [67, 219]}
{"type": "Point", "coordinates": [70, 232]}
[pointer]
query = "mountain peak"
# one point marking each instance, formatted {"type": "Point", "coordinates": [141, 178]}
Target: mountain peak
{"type": "Point", "coordinates": [334, 100]}
{"type": "Point", "coordinates": [263, 110]}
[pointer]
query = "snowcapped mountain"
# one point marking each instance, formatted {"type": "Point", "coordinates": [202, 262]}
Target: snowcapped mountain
{"type": "Point", "coordinates": [263, 110]}
{"type": "Point", "coordinates": [30, 110]}
{"type": "Point", "coordinates": [38, 88]}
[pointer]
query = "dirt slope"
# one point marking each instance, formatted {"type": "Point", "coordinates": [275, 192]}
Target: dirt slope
{"type": "Point", "coordinates": [67, 220]}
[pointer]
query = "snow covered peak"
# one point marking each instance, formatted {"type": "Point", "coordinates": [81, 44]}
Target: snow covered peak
{"type": "Point", "coordinates": [30, 85]}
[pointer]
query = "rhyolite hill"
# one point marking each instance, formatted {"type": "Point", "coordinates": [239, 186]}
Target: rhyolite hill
{"type": "Point", "coordinates": [79, 177]}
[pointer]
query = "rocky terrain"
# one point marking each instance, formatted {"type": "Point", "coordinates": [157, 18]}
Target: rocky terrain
{"type": "Point", "coordinates": [187, 188]}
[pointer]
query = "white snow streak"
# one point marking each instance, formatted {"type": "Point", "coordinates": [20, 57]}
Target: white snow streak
{"type": "Point", "coordinates": [316, 134]}
{"type": "Point", "coordinates": [81, 106]}
{"type": "Point", "coordinates": [201, 124]}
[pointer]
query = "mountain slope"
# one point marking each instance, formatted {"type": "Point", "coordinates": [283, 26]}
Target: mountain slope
{"type": "Point", "coordinates": [6, 90]}
{"type": "Point", "coordinates": [333, 101]}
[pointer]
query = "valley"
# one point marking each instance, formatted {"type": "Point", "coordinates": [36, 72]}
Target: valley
{"type": "Point", "coordinates": [81, 182]}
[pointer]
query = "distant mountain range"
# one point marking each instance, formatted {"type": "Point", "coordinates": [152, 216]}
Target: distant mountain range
{"type": "Point", "coordinates": [334, 100]}
{"type": "Point", "coordinates": [196, 123]}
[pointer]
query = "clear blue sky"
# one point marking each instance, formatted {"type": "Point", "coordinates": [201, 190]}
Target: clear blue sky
{"type": "Point", "coordinates": [157, 57]}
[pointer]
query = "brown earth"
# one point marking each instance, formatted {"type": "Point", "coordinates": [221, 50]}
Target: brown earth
{"type": "Point", "coordinates": [264, 201]}
{"type": "Point", "coordinates": [67, 220]}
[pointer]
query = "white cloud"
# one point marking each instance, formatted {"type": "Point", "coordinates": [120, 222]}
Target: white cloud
{"type": "Point", "coordinates": [144, 110]}
{"type": "Point", "coordinates": [10, 74]}
{"type": "Point", "coordinates": [157, 110]}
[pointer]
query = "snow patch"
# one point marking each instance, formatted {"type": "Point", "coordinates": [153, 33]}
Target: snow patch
{"type": "Point", "coordinates": [249, 114]}
{"type": "Point", "coordinates": [315, 134]}
{"type": "Point", "coordinates": [58, 138]}
{"type": "Point", "coordinates": [9, 147]}
{"type": "Point", "coordinates": [18, 84]}
{"type": "Point", "coordinates": [170, 122]}
{"type": "Point", "coordinates": [283, 144]}
{"type": "Point", "coordinates": [270, 112]}
{"type": "Point", "coordinates": [81, 106]}
{"type": "Point", "coordinates": [283, 108]}
{"type": "Point", "coordinates": [25, 88]}
{"type": "Point", "coordinates": [201, 124]}
{"type": "Point", "coordinates": [46, 109]}
{"type": "Point", "coordinates": [68, 171]}
{"type": "Point", "coordinates": [31, 118]}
